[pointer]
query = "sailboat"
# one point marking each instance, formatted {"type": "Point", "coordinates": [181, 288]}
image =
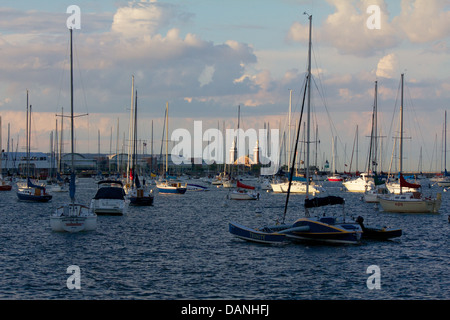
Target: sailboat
{"type": "Point", "coordinates": [30, 191]}
{"type": "Point", "coordinates": [243, 192]}
{"type": "Point", "coordinates": [328, 229]}
{"type": "Point", "coordinates": [138, 195]}
{"type": "Point", "coordinates": [166, 185]}
{"type": "Point", "coordinates": [4, 185]}
{"type": "Point", "coordinates": [73, 217]}
{"type": "Point", "coordinates": [335, 177]}
{"type": "Point", "coordinates": [365, 182]}
{"type": "Point", "coordinates": [444, 181]}
{"type": "Point", "coordinates": [408, 202]}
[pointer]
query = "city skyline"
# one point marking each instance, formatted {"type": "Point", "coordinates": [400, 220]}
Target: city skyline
{"type": "Point", "coordinates": [206, 58]}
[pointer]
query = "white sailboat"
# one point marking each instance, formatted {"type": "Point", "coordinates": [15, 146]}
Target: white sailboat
{"type": "Point", "coordinates": [301, 187]}
{"type": "Point", "coordinates": [408, 202]}
{"type": "Point", "coordinates": [444, 181]}
{"type": "Point", "coordinates": [243, 192]}
{"type": "Point", "coordinates": [29, 190]}
{"type": "Point", "coordinates": [4, 185]}
{"type": "Point", "coordinates": [335, 177]}
{"type": "Point", "coordinates": [365, 182]}
{"type": "Point", "coordinates": [166, 185]}
{"type": "Point", "coordinates": [73, 217]}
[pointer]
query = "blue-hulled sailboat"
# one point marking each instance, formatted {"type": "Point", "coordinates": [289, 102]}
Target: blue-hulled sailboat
{"type": "Point", "coordinates": [138, 195]}
{"type": "Point", "coordinates": [326, 229]}
{"type": "Point", "coordinates": [31, 191]}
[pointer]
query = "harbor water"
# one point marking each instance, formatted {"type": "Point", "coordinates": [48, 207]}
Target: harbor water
{"type": "Point", "coordinates": [180, 248]}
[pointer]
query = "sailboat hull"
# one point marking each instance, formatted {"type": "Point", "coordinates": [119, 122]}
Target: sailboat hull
{"type": "Point", "coordinates": [326, 230]}
{"type": "Point", "coordinates": [110, 207]}
{"type": "Point", "coordinates": [141, 201]}
{"type": "Point", "coordinates": [276, 187]}
{"type": "Point", "coordinates": [358, 186]}
{"type": "Point", "coordinates": [444, 183]}
{"type": "Point", "coordinates": [73, 218]}
{"type": "Point", "coordinates": [239, 195]}
{"type": "Point", "coordinates": [32, 196]}
{"type": "Point", "coordinates": [406, 204]}
{"type": "Point", "coordinates": [171, 187]}
{"type": "Point", "coordinates": [5, 187]}
{"type": "Point", "coordinates": [296, 187]}
{"type": "Point", "coordinates": [252, 235]}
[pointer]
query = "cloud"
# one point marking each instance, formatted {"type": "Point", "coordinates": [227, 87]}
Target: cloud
{"type": "Point", "coordinates": [388, 66]}
{"type": "Point", "coordinates": [142, 18]}
{"type": "Point", "coordinates": [346, 29]}
{"type": "Point", "coordinates": [196, 76]}
{"type": "Point", "coordinates": [424, 21]}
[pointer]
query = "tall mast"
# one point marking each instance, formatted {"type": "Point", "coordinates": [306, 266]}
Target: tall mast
{"type": "Point", "coordinates": [308, 118]}
{"type": "Point", "coordinates": [401, 131]}
{"type": "Point", "coordinates": [71, 101]}
{"type": "Point", "coordinates": [130, 128]}
{"type": "Point", "coordinates": [375, 129]}
{"type": "Point", "coordinates": [117, 147]}
{"type": "Point", "coordinates": [401, 135]}
{"type": "Point", "coordinates": [289, 128]}
{"type": "Point", "coordinates": [167, 138]}
{"type": "Point", "coordinates": [445, 144]}
{"type": "Point", "coordinates": [135, 141]}
{"type": "Point", "coordinates": [1, 150]}
{"type": "Point", "coordinates": [151, 163]}
{"type": "Point", "coordinates": [27, 151]}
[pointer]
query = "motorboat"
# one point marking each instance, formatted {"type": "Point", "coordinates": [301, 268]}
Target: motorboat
{"type": "Point", "coordinates": [110, 198]}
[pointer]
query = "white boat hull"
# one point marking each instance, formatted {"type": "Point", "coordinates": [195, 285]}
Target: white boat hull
{"type": "Point", "coordinates": [228, 184]}
{"type": "Point", "coordinates": [373, 195]}
{"type": "Point", "coordinates": [395, 188]}
{"type": "Point", "coordinates": [276, 187]}
{"type": "Point", "coordinates": [300, 187]}
{"type": "Point", "coordinates": [238, 195]}
{"type": "Point", "coordinates": [108, 206]}
{"type": "Point", "coordinates": [358, 185]}
{"type": "Point", "coordinates": [407, 203]}
{"type": "Point", "coordinates": [73, 218]}
{"type": "Point", "coordinates": [444, 183]}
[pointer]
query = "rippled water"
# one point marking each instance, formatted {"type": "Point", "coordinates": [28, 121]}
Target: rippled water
{"type": "Point", "coordinates": [180, 248]}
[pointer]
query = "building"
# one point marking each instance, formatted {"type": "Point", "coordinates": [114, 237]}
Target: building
{"type": "Point", "coordinates": [16, 163]}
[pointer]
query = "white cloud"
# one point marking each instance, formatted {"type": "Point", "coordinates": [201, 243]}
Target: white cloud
{"type": "Point", "coordinates": [424, 20]}
{"type": "Point", "coordinates": [388, 66]}
{"type": "Point", "coordinates": [141, 18]}
{"type": "Point", "coordinates": [346, 29]}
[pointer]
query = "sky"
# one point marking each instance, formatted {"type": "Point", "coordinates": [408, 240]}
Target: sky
{"type": "Point", "coordinates": [205, 58]}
